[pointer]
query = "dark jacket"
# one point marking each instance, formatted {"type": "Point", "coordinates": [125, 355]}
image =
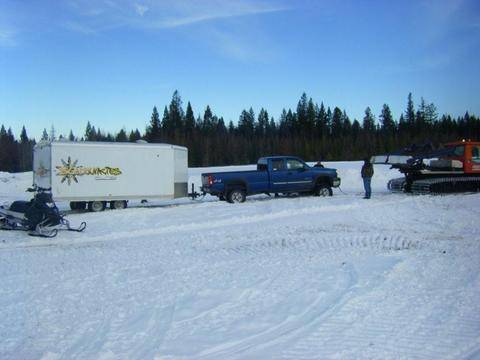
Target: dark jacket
{"type": "Point", "coordinates": [367, 170]}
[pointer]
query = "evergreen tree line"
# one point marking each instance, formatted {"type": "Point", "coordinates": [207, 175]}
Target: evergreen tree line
{"type": "Point", "coordinates": [311, 131]}
{"type": "Point", "coordinates": [15, 155]}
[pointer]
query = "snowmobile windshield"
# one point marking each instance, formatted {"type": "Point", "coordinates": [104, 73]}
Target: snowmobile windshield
{"type": "Point", "coordinates": [44, 197]}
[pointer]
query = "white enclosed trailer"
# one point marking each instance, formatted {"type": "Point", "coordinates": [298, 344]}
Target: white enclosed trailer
{"type": "Point", "coordinates": [95, 174]}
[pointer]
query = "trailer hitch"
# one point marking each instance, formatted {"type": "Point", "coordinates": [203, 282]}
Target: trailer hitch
{"type": "Point", "coordinates": [194, 195]}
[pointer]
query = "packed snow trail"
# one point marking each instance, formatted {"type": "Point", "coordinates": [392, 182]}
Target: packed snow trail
{"type": "Point", "coordinates": [292, 278]}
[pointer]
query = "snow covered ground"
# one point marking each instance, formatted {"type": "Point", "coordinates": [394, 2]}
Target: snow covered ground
{"type": "Point", "coordinates": [394, 277]}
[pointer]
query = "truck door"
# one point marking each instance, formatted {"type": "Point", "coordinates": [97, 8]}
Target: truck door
{"type": "Point", "coordinates": [473, 165]}
{"type": "Point", "coordinates": [299, 178]}
{"type": "Point", "coordinates": [278, 175]}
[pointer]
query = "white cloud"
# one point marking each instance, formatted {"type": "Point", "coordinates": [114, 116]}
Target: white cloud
{"type": "Point", "coordinates": [217, 12]}
{"type": "Point", "coordinates": [223, 31]}
{"type": "Point", "coordinates": [164, 14]}
{"type": "Point", "coordinates": [140, 9]}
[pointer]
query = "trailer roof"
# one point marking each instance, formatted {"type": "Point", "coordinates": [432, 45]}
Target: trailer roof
{"type": "Point", "coordinates": [114, 144]}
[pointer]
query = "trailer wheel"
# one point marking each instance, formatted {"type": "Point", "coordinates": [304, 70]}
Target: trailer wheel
{"type": "Point", "coordinates": [96, 206]}
{"type": "Point", "coordinates": [323, 190]}
{"type": "Point", "coordinates": [236, 196]}
{"type": "Point", "coordinates": [78, 205]}
{"type": "Point", "coordinates": [118, 204]}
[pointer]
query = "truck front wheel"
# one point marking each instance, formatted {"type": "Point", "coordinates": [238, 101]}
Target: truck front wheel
{"type": "Point", "coordinates": [323, 190]}
{"type": "Point", "coordinates": [236, 196]}
{"type": "Point", "coordinates": [96, 206]}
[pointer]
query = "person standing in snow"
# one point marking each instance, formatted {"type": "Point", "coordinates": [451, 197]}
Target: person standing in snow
{"type": "Point", "coordinates": [367, 173]}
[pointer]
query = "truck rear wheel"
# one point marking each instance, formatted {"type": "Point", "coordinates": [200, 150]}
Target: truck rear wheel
{"type": "Point", "coordinates": [236, 196]}
{"type": "Point", "coordinates": [96, 206]}
{"type": "Point", "coordinates": [118, 204]}
{"type": "Point", "coordinates": [323, 190]}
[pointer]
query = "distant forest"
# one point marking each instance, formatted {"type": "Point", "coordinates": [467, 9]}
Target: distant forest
{"type": "Point", "coordinates": [311, 131]}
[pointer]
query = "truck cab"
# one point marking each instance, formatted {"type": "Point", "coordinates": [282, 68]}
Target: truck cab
{"type": "Point", "coordinates": [274, 174]}
{"type": "Point", "coordinates": [467, 152]}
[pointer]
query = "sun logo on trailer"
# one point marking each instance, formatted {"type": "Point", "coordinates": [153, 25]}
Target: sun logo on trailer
{"type": "Point", "coordinates": [67, 171]}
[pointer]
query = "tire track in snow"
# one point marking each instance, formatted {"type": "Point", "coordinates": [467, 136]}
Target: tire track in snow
{"type": "Point", "coordinates": [305, 242]}
{"type": "Point", "coordinates": [79, 239]}
{"type": "Point", "coordinates": [290, 328]}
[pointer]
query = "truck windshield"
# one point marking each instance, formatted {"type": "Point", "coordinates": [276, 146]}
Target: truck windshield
{"type": "Point", "coordinates": [476, 154]}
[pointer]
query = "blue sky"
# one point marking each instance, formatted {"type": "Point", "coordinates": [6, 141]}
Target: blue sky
{"type": "Point", "coordinates": [64, 63]}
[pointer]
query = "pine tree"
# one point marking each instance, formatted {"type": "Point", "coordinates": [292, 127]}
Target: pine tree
{"type": "Point", "coordinates": [386, 119]}
{"type": "Point", "coordinates": [71, 137]}
{"type": "Point", "coordinates": [292, 123]}
{"type": "Point", "coordinates": [176, 117]}
{"type": "Point", "coordinates": [153, 132]}
{"type": "Point", "coordinates": [44, 135]}
{"type": "Point", "coordinates": [52, 136]}
{"type": "Point", "coordinates": [420, 123]}
{"type": "Point", "coordinates": [189, 121]}
{"type": "Point", "coordinates": [347, 124]}
{"type": "Point", "coordinates": [310, 118]}
{"type": "Point", "coordinates": [25, 151]}
{"type": "Point", "coordinates": [246, 123]}
{"type": "Point", "coordinates": [302, 114]}
{"type": "Point", "coordinates": [431, 115]}
{"type": "Point", "coordinates": [355, 130]}
{"type": "Point", "coordinates": [283, 129]}
{"type": "Point", "coordinates": [368, 121]}
{"type": "Point", "coordinates": [134, 136]}
{"type": "Point", "coordinates": [328, 119]}
{"type": "Point", "coordinates": [207, 123]}
{"type": "Point", "coordinates": [89, 132]}
{"type": "Point", "coordinates": [337, 122]}
{"type": "Point", "coordinates": [410, 113]}
{"type": "Point", "coordinates": [121, 136]}
{"type": "Point", "coordinates": [231, 128]}
{"type": "Point", "coordinates": [272, 127]}
{"type": "Point", "coordinates": [321, 121]}
{"type": "Point", "coordinates": [262, 123]}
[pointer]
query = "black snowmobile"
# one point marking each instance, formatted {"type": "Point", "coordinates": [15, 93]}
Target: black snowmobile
{"type": "Point", "coordinates": [39, 216]}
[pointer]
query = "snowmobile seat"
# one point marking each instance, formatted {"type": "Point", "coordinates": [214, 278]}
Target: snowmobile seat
{"type": "Point", "coordinates": [20, 206]}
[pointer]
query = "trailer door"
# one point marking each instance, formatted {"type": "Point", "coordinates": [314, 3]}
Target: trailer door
{"type": "Point", "coordinates": [42, 165]}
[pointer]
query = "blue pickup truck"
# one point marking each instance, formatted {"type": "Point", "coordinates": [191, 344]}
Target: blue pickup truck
{"type": "Point", "coordinates": [274, 175]}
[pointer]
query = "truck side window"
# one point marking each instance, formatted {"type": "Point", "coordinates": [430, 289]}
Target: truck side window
{"type": "Point", "coordinates": [294, 164]}
{"type": "Point", "coordinates": [459, 151]}
{"type": "Point", "coordinates": [262, 167]}
{"type": "Point", "coordinates": [277, 165]}
{"type": "Point", "coordinates": [476, 154]}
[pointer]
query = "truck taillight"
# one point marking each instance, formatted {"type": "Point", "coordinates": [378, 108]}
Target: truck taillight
{"type": "Point", "coordinates": [210, 180]}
